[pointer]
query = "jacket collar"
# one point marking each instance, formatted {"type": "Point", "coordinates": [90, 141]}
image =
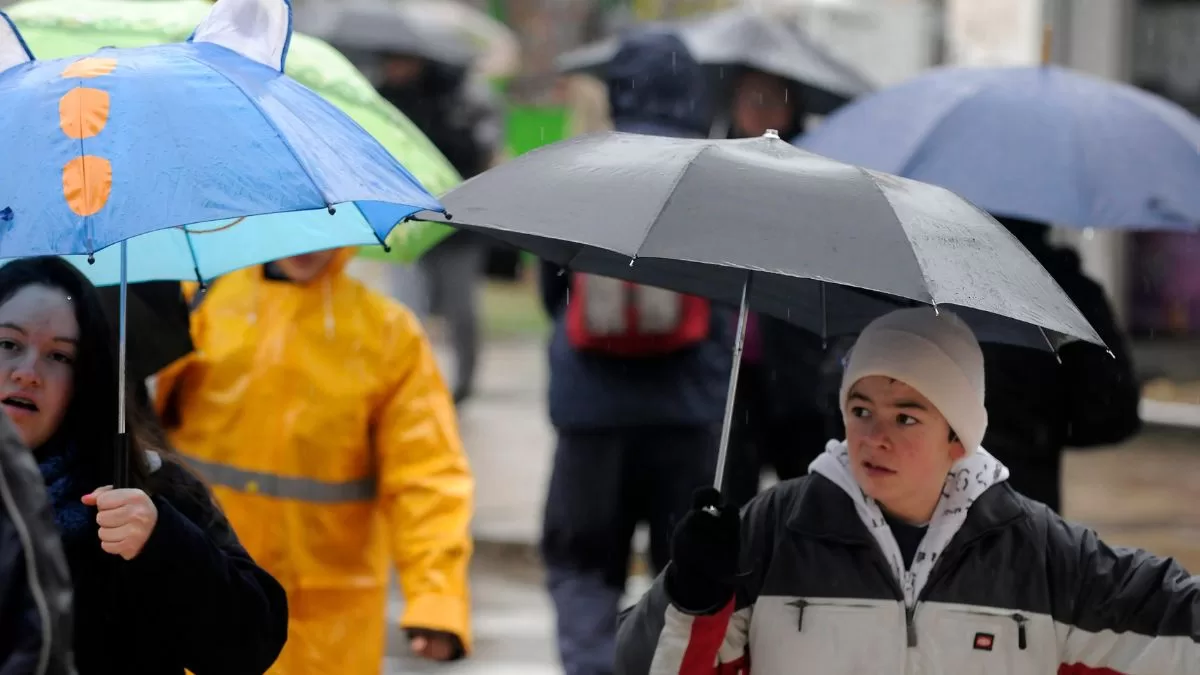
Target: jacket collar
{"type": "Point", "coordinates": [823, 510]}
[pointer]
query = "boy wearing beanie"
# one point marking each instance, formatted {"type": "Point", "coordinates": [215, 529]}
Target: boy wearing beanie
{"type": "Point", "coordinates": [905, 551]}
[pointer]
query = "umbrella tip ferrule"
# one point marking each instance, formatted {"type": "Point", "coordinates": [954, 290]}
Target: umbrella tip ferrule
{"type": "Point", "coordinates": [331, 209]}
{"type": "Point", "coordinates": [771, 133]}
{"type": "Point", "coordinates": [91, 259]}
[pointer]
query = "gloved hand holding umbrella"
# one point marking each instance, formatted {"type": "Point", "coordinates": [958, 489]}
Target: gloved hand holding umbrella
{"type": "Point", "coordinates": [196, 158]}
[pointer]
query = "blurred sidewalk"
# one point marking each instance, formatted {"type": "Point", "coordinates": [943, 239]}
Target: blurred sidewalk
{"type": "Point", "coordinates": [509, 440]}
{"type": "Point", "coordinates": [1171, 368]}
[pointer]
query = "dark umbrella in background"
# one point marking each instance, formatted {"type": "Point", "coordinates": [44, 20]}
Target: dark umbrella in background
{"type": "Point", "coordinates": [760, 224]}
{"type": "Point", "coordinates": [745, 38]}
{"type": "Point", "coordinates": [363, 30]}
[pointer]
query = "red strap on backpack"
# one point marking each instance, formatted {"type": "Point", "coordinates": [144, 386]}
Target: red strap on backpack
{"type": "Point", "coordinates": [625, 319]}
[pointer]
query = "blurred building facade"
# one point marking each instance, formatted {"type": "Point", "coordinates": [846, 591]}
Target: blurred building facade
{"type": "Point", "coordinates": [1153, 279]}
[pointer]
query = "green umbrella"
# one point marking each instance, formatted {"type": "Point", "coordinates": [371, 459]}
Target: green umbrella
{"type": "Point", "coordinates": [58, 28]}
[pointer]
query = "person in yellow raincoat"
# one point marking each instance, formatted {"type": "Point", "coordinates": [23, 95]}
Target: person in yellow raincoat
{"type": "Point", "coordinates": [314, 408]}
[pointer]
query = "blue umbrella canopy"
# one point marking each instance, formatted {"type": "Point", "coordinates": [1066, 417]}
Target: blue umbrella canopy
{"type": "Point", "coordinates": [203, 154]}
{"type": "Point", "coordinates": [1038, 143]}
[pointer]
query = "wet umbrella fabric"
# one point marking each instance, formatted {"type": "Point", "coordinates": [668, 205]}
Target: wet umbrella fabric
{"type": "Point", "coordinates": [247, 157]}
{"type": "Point", "coordinates": [398, 28]}
{"type": "Point", "coordinates": [746, 38]}
{"type": "Point", "coordinates": [181, 140]}
{"type": "Point", "coordinates": [60, 28]}
{"type": "Point", "coordinates": [823, 245]}
{"type": "Point", "coordinates": [760, 224]}
{"type": "Point", "coordinates": [1044, 144]}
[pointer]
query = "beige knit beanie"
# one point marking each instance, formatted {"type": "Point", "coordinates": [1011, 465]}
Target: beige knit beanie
{"type": "Point", "coordinates": [933, 352]}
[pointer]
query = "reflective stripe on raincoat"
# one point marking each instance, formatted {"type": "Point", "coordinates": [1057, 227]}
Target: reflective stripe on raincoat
{"type": "Point", "coordinates": [317, 413]}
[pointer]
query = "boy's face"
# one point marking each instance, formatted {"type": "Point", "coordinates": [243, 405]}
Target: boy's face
{"type": "Point", "coordinates": [901, 448]}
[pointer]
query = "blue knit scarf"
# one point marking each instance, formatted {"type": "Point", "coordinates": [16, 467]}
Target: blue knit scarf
{"type": "Point", "coordinates": [60, 471]}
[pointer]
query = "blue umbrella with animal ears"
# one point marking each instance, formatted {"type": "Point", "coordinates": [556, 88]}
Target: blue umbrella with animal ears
{"type": "Point", "coordinates": [197, 158]}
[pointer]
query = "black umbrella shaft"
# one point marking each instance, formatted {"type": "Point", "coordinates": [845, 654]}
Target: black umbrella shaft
{"type": "Point", "coordinates": [121, 479]}
{"type": "Point", "coordinates": [739, 342]}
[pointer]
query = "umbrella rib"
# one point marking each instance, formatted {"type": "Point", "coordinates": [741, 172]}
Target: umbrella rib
{"type": "Point", "coordinates": [187, 236]}
{"type": "Point", "coordinates": [670, 195]}
{"type": "Point", "coordinates": [934, 125]}
{"type": "Point", "coordinates": [270, 123]}
{"type": "Point", "coordinates": [871, 179]}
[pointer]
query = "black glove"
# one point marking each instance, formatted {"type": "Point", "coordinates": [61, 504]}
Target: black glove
{"type": "Point", "coordinates": [704, 554]}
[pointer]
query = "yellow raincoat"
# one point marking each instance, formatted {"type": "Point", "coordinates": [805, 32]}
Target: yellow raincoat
{"type": "Point", "coordinates": [317, 413]}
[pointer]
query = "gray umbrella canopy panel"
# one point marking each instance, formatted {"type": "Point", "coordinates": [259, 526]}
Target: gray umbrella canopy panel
{"type": "Point", "coordinates": [362, 29]}
{"type": "Point", "coordinates": [824, 245]}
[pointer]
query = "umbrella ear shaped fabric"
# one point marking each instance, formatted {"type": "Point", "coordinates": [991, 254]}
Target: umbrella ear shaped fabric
{"type": "Point", "coordinates": [13, 50]}
{"type": "Point", "coordinates": [259, 30]}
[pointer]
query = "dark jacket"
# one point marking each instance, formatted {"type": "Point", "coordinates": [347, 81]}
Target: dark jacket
{"type": "Point", "coordinates": [654, 87]}
{"type": "Point", "coordinates": [1016, 590]}
{"type": "Point", "coordinates": [35, 586]}
{"type": "Point", "coordinates": [1038, 406]}
{"type": "Point", "coordinates": [193, 598]}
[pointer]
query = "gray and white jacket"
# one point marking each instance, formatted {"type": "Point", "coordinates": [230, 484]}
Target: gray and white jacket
{"type": "Point", "coordinates": [1000, 584]}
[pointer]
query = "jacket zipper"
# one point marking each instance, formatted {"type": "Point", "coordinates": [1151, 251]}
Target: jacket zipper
{"type": "Point", "coordinates": [910, 611]}
{"type": "Point", "coordinates": [801, 604]}
{"type": "Point", "coordinates": [1022, 642]}
{"type": "Point", "coordinates": [939, 571]}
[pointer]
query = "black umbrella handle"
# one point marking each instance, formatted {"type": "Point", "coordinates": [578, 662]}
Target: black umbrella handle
{"type": "Point", "coordinates": [121, 462]}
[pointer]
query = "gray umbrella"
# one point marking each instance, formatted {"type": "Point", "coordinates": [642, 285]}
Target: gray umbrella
{"type": "Point", "coordinates": [400, 28]}
{"type": "Point", "coordinates": [762, 224]}
{"type": "Point", "coordinates": [746, 38]}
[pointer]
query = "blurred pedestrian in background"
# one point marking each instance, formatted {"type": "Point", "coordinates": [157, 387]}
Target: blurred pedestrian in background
{"type": "Point", "coordinates": [315, 408]}
{"type": "Point", "coordinates": [777, 419]}
{"type": "Point", "coordinates": [1038, 403]}
{"type": "Point", "coordinates": [461, 117]}
{"type": "Point", "coordinates": [637, 408]}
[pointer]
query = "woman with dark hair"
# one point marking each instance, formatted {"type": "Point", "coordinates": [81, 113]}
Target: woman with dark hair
{"type": "Point", "coordinates": [161, 583]}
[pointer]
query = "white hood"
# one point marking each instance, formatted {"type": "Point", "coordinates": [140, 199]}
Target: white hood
{"type": "Point", "coordinates": [968, 478]}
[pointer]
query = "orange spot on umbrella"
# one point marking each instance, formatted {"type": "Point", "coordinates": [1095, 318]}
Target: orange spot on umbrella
{"type": "Point", "coordinates": [91, 66]}
{"type": "Point", "coordinates": [83, 112]}
{"type": "Point", "coordinates": [87, 184]}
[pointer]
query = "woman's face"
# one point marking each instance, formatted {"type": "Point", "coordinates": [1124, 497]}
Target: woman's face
{"type": "Point", "coordinates": [900, 446]}
{"type": "Point", "coordinates": [38, 340]}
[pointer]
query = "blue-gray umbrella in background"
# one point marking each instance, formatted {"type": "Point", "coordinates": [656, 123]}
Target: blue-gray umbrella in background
{"type": "Point", "coordinates": [1039, 143]}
